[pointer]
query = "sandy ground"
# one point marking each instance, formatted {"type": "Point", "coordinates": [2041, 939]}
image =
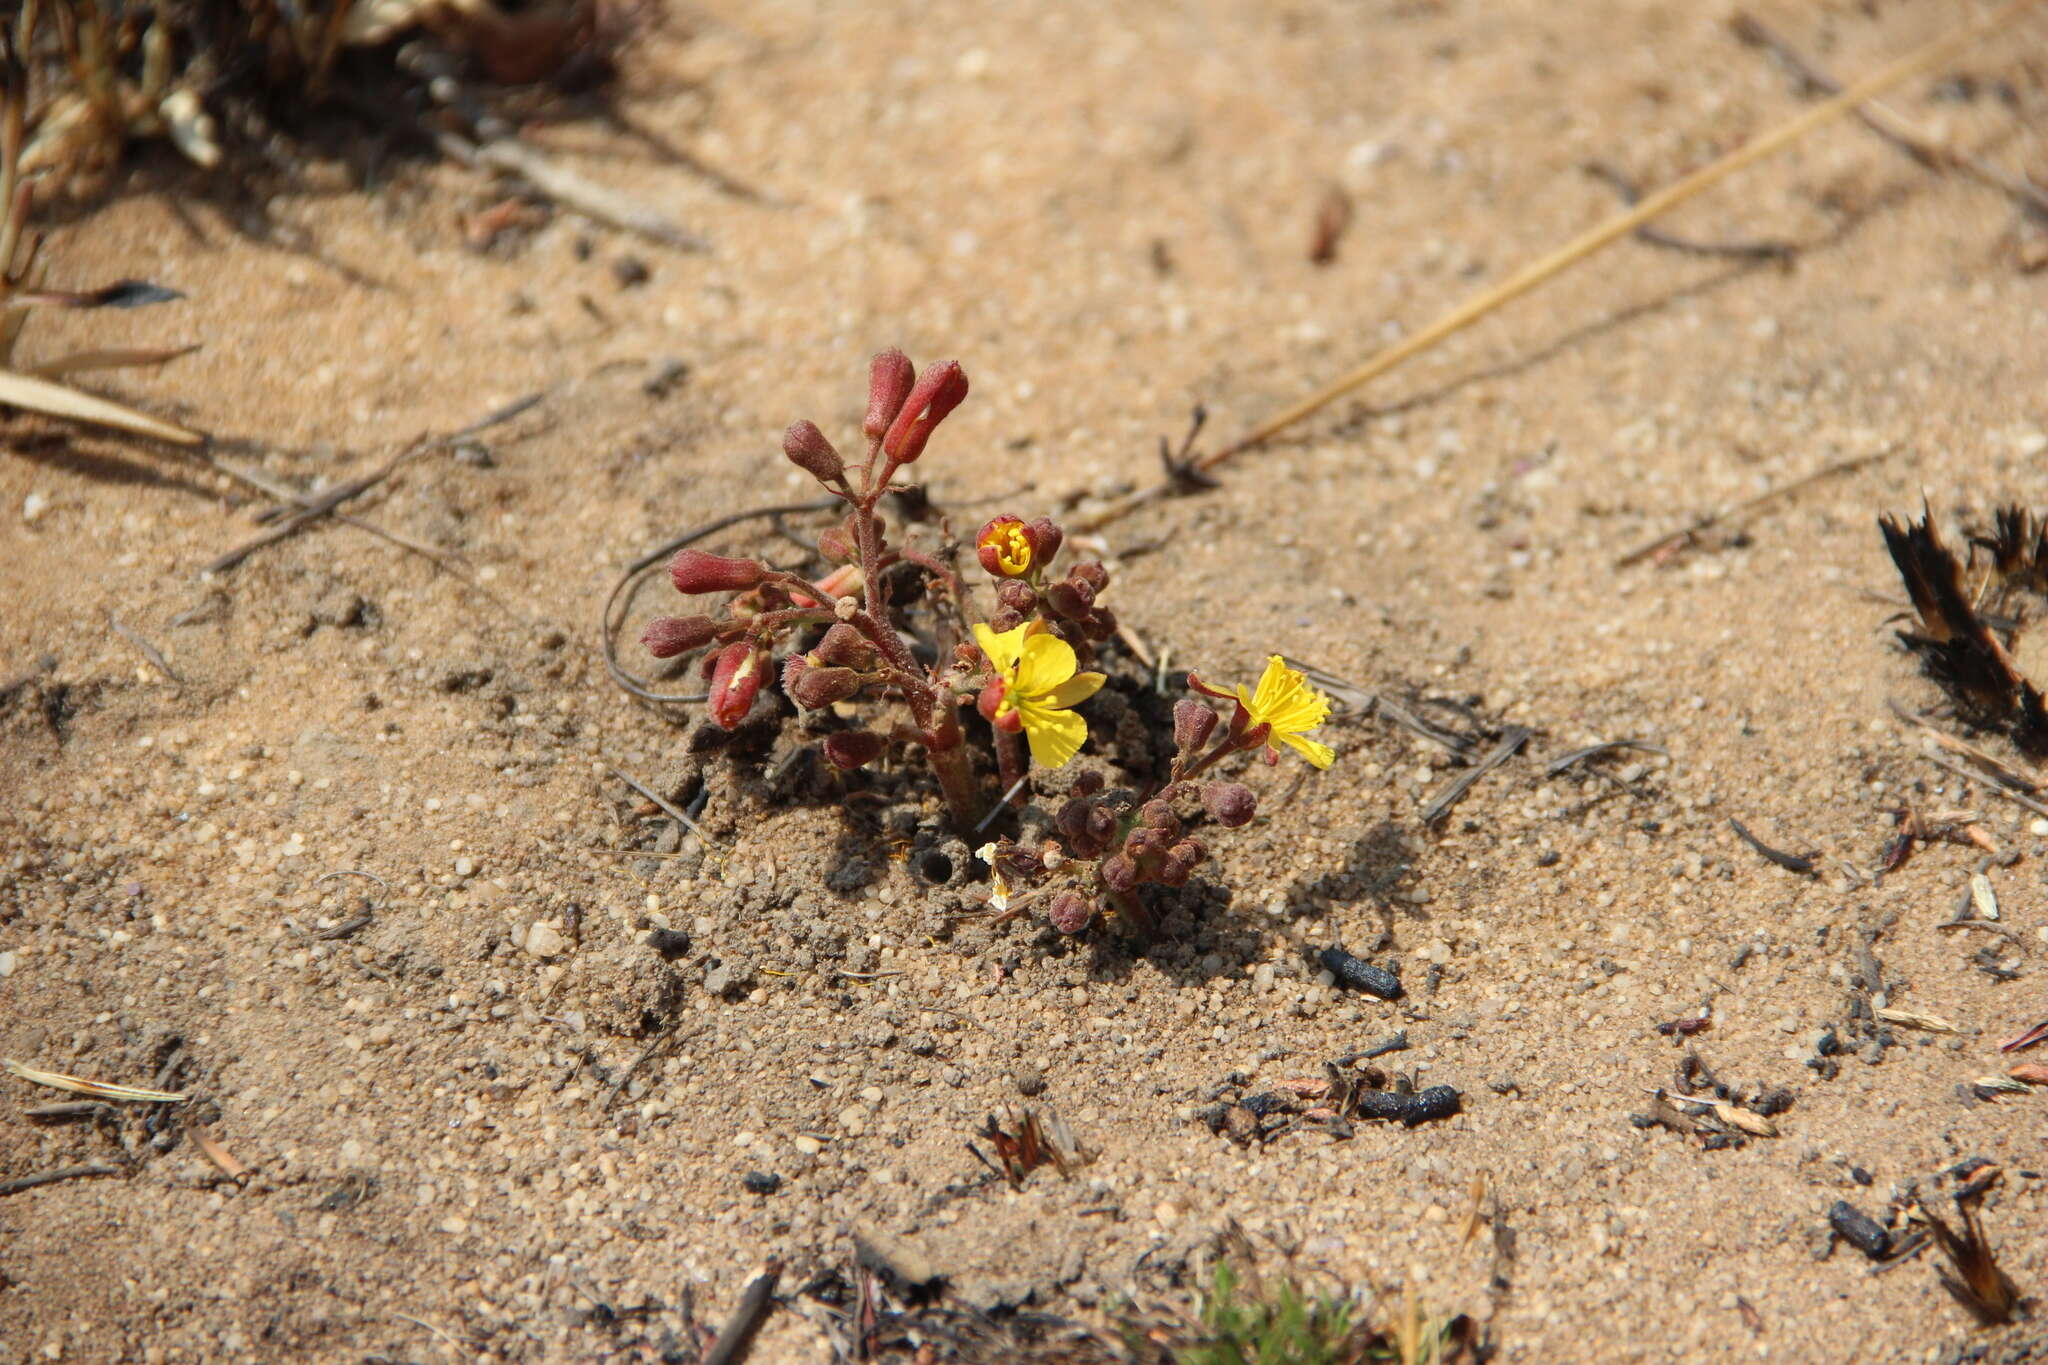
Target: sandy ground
{"type": "Point", "coordinates": [1105, 214]}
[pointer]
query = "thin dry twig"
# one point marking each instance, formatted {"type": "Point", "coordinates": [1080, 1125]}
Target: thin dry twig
{"type": "Point", "coordinates": [307, 508]}
{"type": "Point", "coordinates": [145, 648]}
{"type": "Point", "coordinates": [29, 1182]}
{"type": "Point", "coordinates": [1511, 742]}
{"type": "Point", "coordinates": [510, 156]}
{"type": "Point", "coordinates": [668, 808]}
{"type": "Point", "coordinates": [738, 1337]}
{"type": "Point", "coordinates": [1990, 783]}
{"type": "Point", "coordinates": [1631, 192]}
{"type": "Point", "coordinates": [1712, 519]}
{"type": "Point", "coordinates": [1577, 756]}
{"type": "Point", "coordinates": [458, 1343]}
{"type": "Point", "coordinates": [1562, 258]}
{"type": "Point", "coordinates": [1880, 118]}
{"type": "Point", "coordinates": [101, 1090]}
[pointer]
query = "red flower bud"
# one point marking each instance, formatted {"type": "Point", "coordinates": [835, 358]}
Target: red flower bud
{"type": "Point", "coordinates": [836, 544]}
{"type": "Point", "coordinates": [845, 647]}
{"type": "Point", "coordinates": [1118, 873]}
{"type": "Point", "coordinates": [1017, 596]}
{"type": "Point", "coordinates": [668, 636]}
{"type": "Point", "coordinates": [1047, 536]}
{"type": "Point", "coordinates": [1093, 574]}
{"type": "Point", "coordinates": [939, 390]}
{"type": "Point", "coordinates": [736, 680]}
{"type": "Point", "coordinates": [1177, 866]}
{"type": "Point", "coordinates": [990, 700]}
{"type": "Point", "coordinates": [814, 688]}
{"type": "Point", "coordinates": [693, 571]}
{"type": "Point", "coordinates": [1144, 841]}
{"type": "Point", "coordinates": [1070, 599]}
{"type": "Point", "coordinates": [1006, 548]}
{"type": "Point", "coordinates": [1229, 804]}
{"type": "Point", "coordinates": [1072, 817]}
{"type": "Point", "coordinates": [890, 376]}
{"type": "Point", "coordinates": [809, 451]}
{"type": "Point", "coordinates": [1193, 723]}
{"type": "Point", "coordinates": [1070, 912]}
{"type": "Point", "coordinates": [1159, 815]}
{"type": "Point", "coordinates": [1005, 620]}
{"type": "Point", "coordinates": [1088, 781]}
{"type": "Point", "coordinates": [850, 749]}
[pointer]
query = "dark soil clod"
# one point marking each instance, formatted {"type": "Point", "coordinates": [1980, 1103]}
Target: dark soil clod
{"type": "Point", "coordinates": [1359, 975]}
{"type": "Point", "coordinates": [1859, 1230]}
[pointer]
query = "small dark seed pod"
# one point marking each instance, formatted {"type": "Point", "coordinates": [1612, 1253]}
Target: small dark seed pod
{"type": "Point", "coordinates": [1144, 841]}
{"type": "Point", "coordinates": [1361, 975]}
{"type": "Point", "coordinates": [1087, 782]}
{"type": "Point", "coordinates": [1119, 873]}
{"type": "Point", "coordinates": [1017, 595]}
{"type": "Point", "coordinates": [1070, 912]}
{"type": "Point", "coordinates": [1230, 804]}
{"type": "Point", "coordinates": [1065, 599]}
{"type": "Point", "coordinates": [1193, 723]}
{"type": "Point", "coordinates": [1159, 815]}
{"type": "Point", "coordinates": [1177, 866]}
{"type": "Point", "coordinates": [1859, 1230]}
{"type": "Point", "coordinates": [1072, 818]}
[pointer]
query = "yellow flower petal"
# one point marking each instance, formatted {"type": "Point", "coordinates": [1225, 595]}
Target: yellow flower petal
{"type": "Point", "coordinates": [1285, 701]}
{"type": "Point", "coordinates": [1055, 736]}
{"type": "Point", "coordinates": [1005, 650]}
{"type": "Point", "coordinates": [1322, 755]}
{"type": "Point", "coordinates": [1047, 662]}
{"type": "Point", "coordinates": [1076, 689]}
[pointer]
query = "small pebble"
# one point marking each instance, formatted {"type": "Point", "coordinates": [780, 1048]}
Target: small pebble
{"type": "Point", "coordinates": [8, 960]}
{"type": "Point", "coordinates": [761, 1182]}
{"type": "Point", "coordinates": [33, 506]}
{"type": "Point", "coordinates": [544, 940]}
{"type": "Point", "coordinates": [1029, 1080]}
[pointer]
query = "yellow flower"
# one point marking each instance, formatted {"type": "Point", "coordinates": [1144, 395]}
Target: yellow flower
{"type": "Point", "coordinates": [1285, 701]}
{"type": "Point", "coordinates": [1039, 685]}
{"type": "Point", "coordinates": [1005, 548]}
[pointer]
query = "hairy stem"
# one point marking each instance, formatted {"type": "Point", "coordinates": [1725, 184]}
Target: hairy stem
{"type": "Point", "coordinates": [946, 749]}
{"type": "Point", "coordinates": [1011, 763]}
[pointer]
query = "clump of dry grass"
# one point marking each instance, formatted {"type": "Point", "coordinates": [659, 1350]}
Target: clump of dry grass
{"type": "Point", "coordinates": [40, 386]}
{"type": "Point", "coordinates": [80, 80]}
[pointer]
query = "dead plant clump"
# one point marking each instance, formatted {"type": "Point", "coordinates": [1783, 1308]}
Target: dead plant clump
{"type": "Point", "coordinates": [80, 80]}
